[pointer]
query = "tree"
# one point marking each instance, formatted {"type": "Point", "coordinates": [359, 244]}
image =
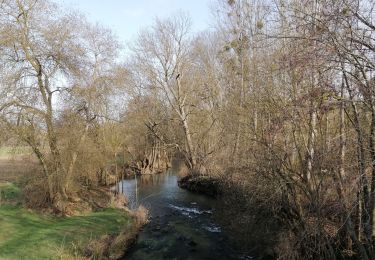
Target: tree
{"type": "Point", "coordinates": [47, 57]}
{"type": "Point", "coordinates": [162, 54]}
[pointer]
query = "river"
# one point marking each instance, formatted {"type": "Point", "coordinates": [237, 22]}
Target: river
{"type": "Point", "coordinates": [182, 224]}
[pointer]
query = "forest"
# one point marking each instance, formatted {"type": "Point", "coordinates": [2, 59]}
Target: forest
{"type": "Point", "coordinates": [271, 111]}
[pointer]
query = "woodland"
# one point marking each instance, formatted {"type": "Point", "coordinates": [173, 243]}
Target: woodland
{"type": "Point", "coordinates": [273, 107]}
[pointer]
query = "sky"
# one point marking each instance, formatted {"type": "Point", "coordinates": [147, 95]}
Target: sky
{"type": "Point", "coordinates": [127, 17]}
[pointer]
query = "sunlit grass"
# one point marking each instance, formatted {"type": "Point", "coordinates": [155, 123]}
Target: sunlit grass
{"type": "Point", "coordinates": [28, 235]}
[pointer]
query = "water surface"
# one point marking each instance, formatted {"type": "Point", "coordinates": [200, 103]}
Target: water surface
{"type": "Point", "coordinates": [182, 224]}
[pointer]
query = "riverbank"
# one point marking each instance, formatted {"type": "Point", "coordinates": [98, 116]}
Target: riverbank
{"type": "Point", "coordinates": [246, 218]}
{"type": "Point", "coordinates": [98, 224]}
{"type": "Point", "coordinates": [259, 219]}
{"type": "Point", "coordinates": [29, 234]}
{"type": "Point", "coordinates": [205, 185]}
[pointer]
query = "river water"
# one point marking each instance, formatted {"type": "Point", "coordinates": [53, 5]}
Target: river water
{"type": "Point", "coordinates": [182, 224]}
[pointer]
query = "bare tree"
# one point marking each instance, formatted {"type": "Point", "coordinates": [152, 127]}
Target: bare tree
{"type": "Point", "coordinates": [48, 57]}
{"type": "Point", "coordinates": [162, 54]}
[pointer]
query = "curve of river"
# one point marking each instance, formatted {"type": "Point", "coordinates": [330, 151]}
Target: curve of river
{"type": "Point", "coordinates": [182, 224]}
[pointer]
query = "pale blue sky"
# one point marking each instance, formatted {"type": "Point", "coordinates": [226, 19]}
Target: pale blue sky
{"type": "Point", "coordinates": [127, 17]}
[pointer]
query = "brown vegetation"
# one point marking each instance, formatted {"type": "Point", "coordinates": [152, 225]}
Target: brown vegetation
{"type": "Point", "coordinates": [276, 103]}
{"type": "Point", "coordinates": [14, 168]}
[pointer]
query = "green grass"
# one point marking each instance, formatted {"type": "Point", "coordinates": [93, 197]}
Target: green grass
{"type": "Point", "coordinates": [9, 192]}
{"type": "Point", "coordinates": [28, 235]}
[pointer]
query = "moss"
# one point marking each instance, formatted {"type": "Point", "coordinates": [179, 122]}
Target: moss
{"type": "Point", "coordinates": [26, 234]}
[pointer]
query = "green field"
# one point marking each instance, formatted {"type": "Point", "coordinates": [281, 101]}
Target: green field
{"type": "Point", "coordinates": [25, 234]}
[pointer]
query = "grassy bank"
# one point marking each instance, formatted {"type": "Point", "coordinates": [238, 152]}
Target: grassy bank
{"type": "Point", "coordinates": [30, 235]}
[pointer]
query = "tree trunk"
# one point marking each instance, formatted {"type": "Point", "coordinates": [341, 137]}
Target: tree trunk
{"type": "Point", "coordinates": [342, 136]}
{"type": "Point", "coordinates": [372, 154]}
{"type": "Point", "coordinates": [189, 141]}
{"type": "Point", "coordinates": [311, 149]}
{"type": "Point", "coordinates": [364, 198]}
{"type": "Point", "coordinates": [69, 173]}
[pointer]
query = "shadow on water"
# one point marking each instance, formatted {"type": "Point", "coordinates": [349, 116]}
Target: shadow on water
{"type": "Point", "coordinates": [182, 224]}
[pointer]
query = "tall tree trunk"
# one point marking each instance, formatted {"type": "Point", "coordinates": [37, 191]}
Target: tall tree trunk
{"type": "Point", "coordinates": [73, 160]}
{"type": "Point", "coordinates": [372, 154]}
{"type": "Point", "coordinates": [342, 136]}
{"type": "Point", "coordinates": [350, 227]}
{"type": "Point", "coordinates": [311, 148]}
{"type": "Point", "coordinates": [188, 137]}
{"type": "Point", "coordinates": [364, 198]}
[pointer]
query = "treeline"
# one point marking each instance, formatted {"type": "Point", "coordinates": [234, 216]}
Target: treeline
{"type": "Point", "coordinates": [277, 101]}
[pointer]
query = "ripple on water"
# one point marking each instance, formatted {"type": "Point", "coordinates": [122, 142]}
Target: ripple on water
{"type": "Point", "coordinates": [187, 210]}
{"type": "Point", "coordinates": [212, 228]}
{"type": "Point", "coordinates": [182, 223]}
